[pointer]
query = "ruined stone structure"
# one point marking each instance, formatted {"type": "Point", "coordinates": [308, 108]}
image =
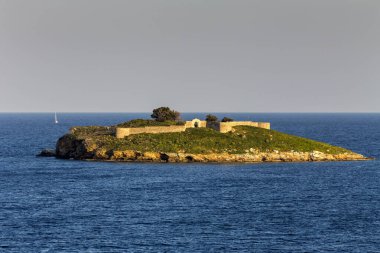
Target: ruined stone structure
{"type": "Point", "coordinates": [195, 123]}
{"type": "Point", "coordinates": [222, 127]}
{"type": "Point", "coordinates": [225, 127]}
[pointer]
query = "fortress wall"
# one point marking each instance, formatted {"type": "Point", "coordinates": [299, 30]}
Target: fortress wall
{"type": "Point", "coordinates": [222, 127]}
{"type": "Point", "coordinates": [265, 125]}
{"type": "Point", "coordinates": [227, 126]}
{"type": "Point", "coordinates": [157, 129]}
{"type": "Point", "coordinates": [190, 124]}
{"type": "Point", "coordinates": [203, 123]}
{"type": "Point", "coordinates": [122, 132]}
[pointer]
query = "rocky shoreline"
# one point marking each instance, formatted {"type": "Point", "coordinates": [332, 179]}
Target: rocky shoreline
{"type": "Point", "coordinates": [69, 148]}
{"type": "Point", "coordinates": [135, 156]}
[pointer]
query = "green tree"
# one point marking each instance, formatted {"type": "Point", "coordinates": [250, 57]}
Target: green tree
{"type": "Point", "coordinates": [226, 119]}
{"type": "Point", "coordinates": [211, 118]}
{"type": "Point", "coordinates": [164, 114]}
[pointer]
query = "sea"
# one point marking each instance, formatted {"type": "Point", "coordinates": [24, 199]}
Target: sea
{"type": "Point", "coordinates": [52, 205]}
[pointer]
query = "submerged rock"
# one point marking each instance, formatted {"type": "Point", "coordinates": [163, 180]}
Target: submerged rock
{"type": "Point", "coordinates": [47, 153]}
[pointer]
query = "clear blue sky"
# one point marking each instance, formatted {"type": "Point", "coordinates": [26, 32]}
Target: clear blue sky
{"type": "Point", "coordinates": [194, 55]}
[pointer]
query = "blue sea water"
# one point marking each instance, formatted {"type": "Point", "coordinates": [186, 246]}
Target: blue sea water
{"type": "Point", "coordinates": [51, 205]}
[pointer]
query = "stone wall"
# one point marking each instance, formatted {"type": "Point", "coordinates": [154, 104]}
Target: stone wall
{"type": "Point", "coordinates": [199, 123]}
{"type": "Point", "coordinates": [227, 126]}
{"type": "Point", "coordinates": [203, 123]}
{"type": "Point", "coordinates": [122, 132]}
{"type": "Point", "coordinates": [265, 125]}
{"type": "Point", "coordinates": [222, 127]}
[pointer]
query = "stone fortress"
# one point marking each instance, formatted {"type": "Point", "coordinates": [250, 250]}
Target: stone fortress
{"type": "Point", "coordinates": [222, 127]}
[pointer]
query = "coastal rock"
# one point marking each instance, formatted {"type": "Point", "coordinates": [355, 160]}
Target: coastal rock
{"type": "Point", "coordinates": [150, 156]}
{"type": "Point", "coordinates": [101, 153]}
{"type": "Point", "coordinates": [70, 147]}
{"type": "Point", "coordinates": [124, 155]}
{"type": "Point", "coordinates": [47, 153]}
{"type": "Point", "coordinates": [317, 156]}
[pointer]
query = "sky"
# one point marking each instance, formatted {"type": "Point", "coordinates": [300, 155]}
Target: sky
{"type": "Point", "coordinates": [190, 55]}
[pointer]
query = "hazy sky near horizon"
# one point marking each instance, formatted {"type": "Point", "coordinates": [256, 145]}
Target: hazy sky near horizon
{"type": "Point", "coordinates": [193, 55]}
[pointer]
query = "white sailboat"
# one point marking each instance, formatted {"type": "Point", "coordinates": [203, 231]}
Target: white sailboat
{"type": "Point", "coordinates": [55, 118]}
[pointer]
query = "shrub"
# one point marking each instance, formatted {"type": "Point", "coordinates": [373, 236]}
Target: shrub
{"type": "Point", "coordinates": [165, 114]}
{"type": "Point", "coordinates": [226, 119]}
{"type": "Point", "coordinates": [211, 118]}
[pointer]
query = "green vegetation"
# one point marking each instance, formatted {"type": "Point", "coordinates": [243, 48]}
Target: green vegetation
{"type": "Point", "coordinates": [149, 122]}
{"type": "Point", "coordinates": [91, 131]}
{"type": "Point", "coordinates": [226, 119]}
{"type": "Point", "coordinates": [162, 116]}
{"type": "Point", "coordinates": [165, 114]}
{"type": "Point", "coordinates": [206, 140]}
{"type": "Point", "coordinates": [211, 118]}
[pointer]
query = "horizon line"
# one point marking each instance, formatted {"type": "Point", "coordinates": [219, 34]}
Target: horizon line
{"type": "Point", "coordinates": [89, 112]}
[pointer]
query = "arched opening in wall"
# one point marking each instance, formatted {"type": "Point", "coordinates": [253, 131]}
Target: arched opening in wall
{"type": "Point", "coordinates": [196, 124]}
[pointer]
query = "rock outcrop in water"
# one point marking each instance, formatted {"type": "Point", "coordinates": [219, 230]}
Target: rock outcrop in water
{"type": "Point", "coordinates": [47, 153]}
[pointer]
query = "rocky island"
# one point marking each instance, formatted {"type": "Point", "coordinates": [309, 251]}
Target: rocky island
{"type": "Point", "coordinates": [167, 139]}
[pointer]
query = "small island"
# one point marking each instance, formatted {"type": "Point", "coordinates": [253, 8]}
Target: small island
{"type": "Point", "coordinates": [166, 138]}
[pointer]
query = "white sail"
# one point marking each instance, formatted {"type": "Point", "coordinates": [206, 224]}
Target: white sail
{"type": "Point", "coordinates": [55, 118]}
